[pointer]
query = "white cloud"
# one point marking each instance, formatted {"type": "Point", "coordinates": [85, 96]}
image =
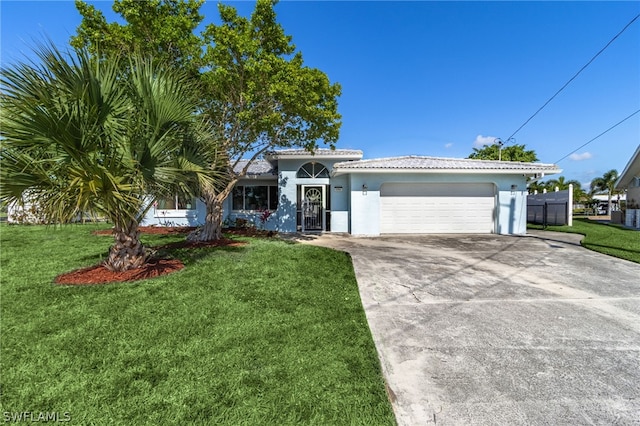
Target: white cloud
{"type": "Point", "coordinates": [483, 140]}
{"type": "Point", "coordinates": [448, 145]}
{"type": "Point", "coordinates": [581, 157]}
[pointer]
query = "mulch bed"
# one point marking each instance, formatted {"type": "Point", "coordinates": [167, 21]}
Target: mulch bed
{"type": "Point", "coordinates": [155, 230]}
{"type": "Point", "coordinates": [98, 274]}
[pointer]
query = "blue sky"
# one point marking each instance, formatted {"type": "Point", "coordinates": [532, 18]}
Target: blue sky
{"type": "Point", "coordinates": [438, 78]}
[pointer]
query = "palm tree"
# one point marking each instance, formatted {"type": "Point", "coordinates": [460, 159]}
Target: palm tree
{"type": "Point", "coordinates": [82, 135]}
{"type": "Point", "coordinates": [606, 184]}
{"type": "Point", "coordinates": [561, 183]}
{"type": "Point", "coordinates": [536, 187]}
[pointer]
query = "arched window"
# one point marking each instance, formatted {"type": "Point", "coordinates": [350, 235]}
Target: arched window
{"type": "Point", "coordinates": [313, 170]}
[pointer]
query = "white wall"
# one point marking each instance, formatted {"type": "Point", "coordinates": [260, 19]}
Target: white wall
{"type": "Point", "coordinates": [286, 216]}
{"type": "Point", "coordinates": [511, 203]}
{"type": "Point", "coordinates": [157, 217]}
{"type": "Point", "coordinates": [339, 204]}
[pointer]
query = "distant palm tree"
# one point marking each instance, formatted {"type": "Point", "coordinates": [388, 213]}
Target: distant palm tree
{"type": "Point", "coordinates": [81, 135]}
{"type": "Point", "coordinates": [606, 184]}
{"type": "Point", "coordinates": [561, 183]}
{"type": "Point", "coordinates": [536, 187]}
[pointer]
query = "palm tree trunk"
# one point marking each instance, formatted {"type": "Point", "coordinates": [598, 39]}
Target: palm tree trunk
{"type": "Point", "coordinates": [127, 252]}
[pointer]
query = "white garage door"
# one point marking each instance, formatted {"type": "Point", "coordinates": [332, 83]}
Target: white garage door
{"type": "Point", "coordinates": [437, 208]}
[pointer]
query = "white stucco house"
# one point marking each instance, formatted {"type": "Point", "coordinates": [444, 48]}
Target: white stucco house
{"type": "Point", "coordinates": [338, 191]}
{"type": "Point", "coordinates": [629, 181]}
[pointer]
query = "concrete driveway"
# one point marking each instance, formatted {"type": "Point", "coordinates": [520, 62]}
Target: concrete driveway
{"type": "Point", "coordinates": [501, 330]}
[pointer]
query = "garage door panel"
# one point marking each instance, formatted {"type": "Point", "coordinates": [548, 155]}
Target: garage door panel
{"type": "Point", "coordinates": [437, 208]}
{"type": "Point", "coordinates": [437, 190]}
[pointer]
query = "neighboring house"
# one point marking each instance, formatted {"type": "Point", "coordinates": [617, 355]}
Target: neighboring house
{"type": "Point", "coordinates": [629, 181]}
{"type": "Point", "coordinates": [603, 202]}
{"type": "Point", "coordinates": [25, 211]}
{"type": "Point", "coordinates": [337, 191]}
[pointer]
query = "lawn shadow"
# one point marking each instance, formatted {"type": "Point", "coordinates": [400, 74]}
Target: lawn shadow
{"type": "Point", "coordinates": [190, 254]}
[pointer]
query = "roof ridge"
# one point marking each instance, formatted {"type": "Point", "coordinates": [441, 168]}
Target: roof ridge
{"type": "Point", "coordinates": [430, 157]}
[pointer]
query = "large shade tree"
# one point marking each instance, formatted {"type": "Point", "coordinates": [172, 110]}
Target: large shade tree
{"type": "Point", "coordinates": [258, 92]}
{"type": "Point", "coordinates": [605, 184]}
{"type": "Point", "coordinates": [262, 96]}
{"type": "Point", "coordinates": [80, 135]}
{"type": "Point", "coordinates": [164, 29]}
{"type": "Point", "coordinates": [508, 153]}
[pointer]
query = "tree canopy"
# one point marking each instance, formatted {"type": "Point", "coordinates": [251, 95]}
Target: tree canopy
{"type": "Point", "coordinates": [504, 153]}
{"type": "Point", "coordinates": [256, 88]}
{"type": "Point", "coordinates": [163, 29]}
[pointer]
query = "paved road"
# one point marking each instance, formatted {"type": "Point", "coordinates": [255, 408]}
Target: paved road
{"type": "Point", "coordinates": [501, 330]}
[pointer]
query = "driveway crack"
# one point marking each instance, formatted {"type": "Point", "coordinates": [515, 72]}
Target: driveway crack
{"type": "Point", "coordinates": [412, 293]}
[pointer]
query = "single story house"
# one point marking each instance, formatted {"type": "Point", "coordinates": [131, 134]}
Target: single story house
{"type": "Point", "coordinates": [629, 181]}
{"type": "Point", "coordinates": [338, 191]}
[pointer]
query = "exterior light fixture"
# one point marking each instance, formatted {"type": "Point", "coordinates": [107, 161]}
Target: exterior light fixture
{"type": "Point", "coordinates": [364, 189]}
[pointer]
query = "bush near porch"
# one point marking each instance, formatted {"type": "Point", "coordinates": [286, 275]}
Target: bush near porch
{"type": "Point", "coordinates": [267, 333]}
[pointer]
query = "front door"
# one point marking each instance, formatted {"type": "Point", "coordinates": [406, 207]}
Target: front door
{"type": "Point", "coordinates": [312, 208]}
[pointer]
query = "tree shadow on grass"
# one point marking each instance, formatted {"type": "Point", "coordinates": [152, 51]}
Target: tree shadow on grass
{"type": "Point", "coordinates": [191, 255]}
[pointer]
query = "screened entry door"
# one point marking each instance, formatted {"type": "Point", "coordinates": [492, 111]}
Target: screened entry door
{"type": "Point", "coordinates": [312, 208]}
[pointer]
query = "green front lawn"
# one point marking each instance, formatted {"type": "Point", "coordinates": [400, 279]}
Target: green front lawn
{"type": "Point", "coordinates": [614, 240]}
{"type": "Point", "coordinates": [269, 333]}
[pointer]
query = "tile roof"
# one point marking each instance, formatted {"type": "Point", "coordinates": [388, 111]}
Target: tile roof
{"type": "Point", "coordinates": [258, 167]}
{"type": "Point", "coordinates": [414, 162]}
{"type": "Point", "coordinates": [320, 152]}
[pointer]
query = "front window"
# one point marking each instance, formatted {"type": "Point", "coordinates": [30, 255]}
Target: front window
{"type": "Point", "coordinates": [313, 170]}
{"type": "Point", "coordinates": [255, 197]}
{"type": "Point", "coordinates": [176, 202]}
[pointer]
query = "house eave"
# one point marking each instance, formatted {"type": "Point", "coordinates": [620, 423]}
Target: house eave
{"type": "Point", "coordinates": [312, 157]}
{"type": "Point", "coordinates": [320, 154]}
{"type": "Point", "coordinates": [525, 172]}
{"type": "Point", "coordinates": [264, 177]}
{"type": "Point", "coordinates": [631, 171]}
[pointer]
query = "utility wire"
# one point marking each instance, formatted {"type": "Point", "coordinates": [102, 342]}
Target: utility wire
{"type": "Point", "coordinates": [573, 78]}
{"type": "Point", "coordinates": [610, 128]}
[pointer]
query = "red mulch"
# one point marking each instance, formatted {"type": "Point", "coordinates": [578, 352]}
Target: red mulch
{"type": "Point", "coordinates": [98, 274]}
{"type": "Point", "coordinates": [157, 230]}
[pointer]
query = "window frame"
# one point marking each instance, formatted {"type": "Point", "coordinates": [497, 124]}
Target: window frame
{"type": "Point", "coordinates": [321, 173]}
{"type": "Point", "coordinates": [271, 198]}
{"type": "Point", "coordinates": [160, 212]}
